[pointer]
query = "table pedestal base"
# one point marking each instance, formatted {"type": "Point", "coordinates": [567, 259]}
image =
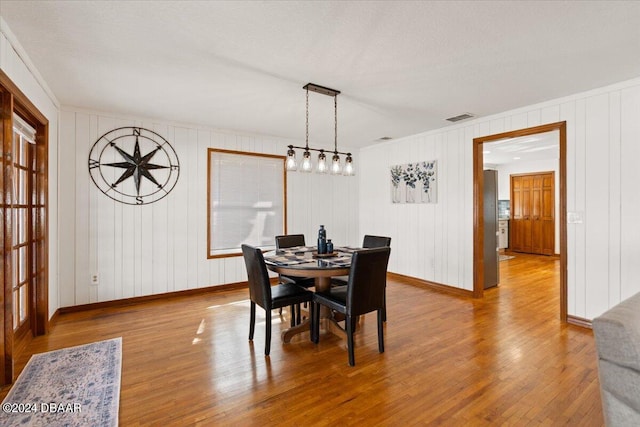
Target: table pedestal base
{"type": "Point", "coordinates": [298, 329]}
{"type": "Point", "coordinates": [327, 320]}
{"type": "Point", "coordinates": [327, 324]}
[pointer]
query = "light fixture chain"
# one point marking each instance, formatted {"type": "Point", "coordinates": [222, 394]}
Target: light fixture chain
{"type": "Point", "coordinates": [335, 110]}
{"type": "Point", "coordinates": [307, 121]}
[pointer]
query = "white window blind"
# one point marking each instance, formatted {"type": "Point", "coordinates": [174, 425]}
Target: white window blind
{"type": "Point", "coordinates": [246, 200]}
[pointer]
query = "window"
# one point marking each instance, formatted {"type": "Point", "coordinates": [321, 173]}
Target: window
{"type": "Point", "coordinates": [246, 201]}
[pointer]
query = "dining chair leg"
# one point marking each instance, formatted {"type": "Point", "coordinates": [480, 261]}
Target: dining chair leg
{"type": "Point", "coordinates": [312, 329]}
{"type": "Point", "coordinates": [384, 302]}
{"type": "Point", "coordinates": [298, 314]}
{"type": "Point", "coordinates": [267, 338]}
{"type": "Point", "coordinates": [252, 320]}
{"type": "Point", "coordinates": [352, 357]}
{"type": "Point", "coordinates": [380, 331]}
{"type": "Point", "coordinates": [292, 309]}
{"type": "Point", "coordinates": [315, 324]}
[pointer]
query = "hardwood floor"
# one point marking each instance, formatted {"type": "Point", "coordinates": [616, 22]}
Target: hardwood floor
{"type": "Point", "coordinates": [449, 360]}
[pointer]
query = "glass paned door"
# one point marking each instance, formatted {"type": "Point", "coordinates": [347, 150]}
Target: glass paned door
{"type": "Point", "coordinates": [22, 236]}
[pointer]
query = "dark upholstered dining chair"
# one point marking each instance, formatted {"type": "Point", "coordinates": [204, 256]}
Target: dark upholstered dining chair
{"type": "Point", "coordinates": [368, 242]}
{"type": "Point", "coordinates": [290, 241]}
{"type": "Point", "coordinates": [375, 241]}
{"type": "Point", "coordinates": [363, 294]}
{"type": "Point", "coordinates": [269, 297]}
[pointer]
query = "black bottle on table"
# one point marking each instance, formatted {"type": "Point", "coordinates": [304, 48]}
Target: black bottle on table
{"type": "Point", "coordinates": [322, 240]}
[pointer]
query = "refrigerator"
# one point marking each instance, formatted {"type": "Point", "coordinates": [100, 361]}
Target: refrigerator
{"type": "Point", "coordinates": [491, 231]}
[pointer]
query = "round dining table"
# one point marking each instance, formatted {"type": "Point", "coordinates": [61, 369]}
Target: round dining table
{"type": "Point", "coordinates": [304, 262]}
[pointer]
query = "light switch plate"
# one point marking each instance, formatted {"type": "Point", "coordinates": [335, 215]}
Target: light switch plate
{"type": "Point", "coordinates": [575, 217]}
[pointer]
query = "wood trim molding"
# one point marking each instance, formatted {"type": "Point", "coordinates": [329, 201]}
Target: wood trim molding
{"type": "Point", "coordinates": [23, 101]}
{"type": "Point", "coordinates": [41, 187]}
{"type": "Point", "coordinates": [579, 321]}
{"type": "Point", "coordinates": [532, 173]}
{"type": "Point", "coordinates": [563, 221]}
{"type": "Point", "coordinates": [6, 297]}
{"type": "Point", "coordinates": [478, 220]}
{"type": "Point", "coordinates": [439, 287]}
{"type": "Point", "coordinates": [478, 223]}
{"type": "Point", "coordinates": [146, 298]}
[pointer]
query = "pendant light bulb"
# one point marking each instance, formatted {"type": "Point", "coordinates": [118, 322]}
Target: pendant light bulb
{"type": "Point", "coordinates": [322, 163]}
{"type": "Point", "coordinates": [348, 166]}
{"type": "Point", "coordinates": [306, 162]}
{"type": "Point", "coordinates": [336, 167]}
{"type": "Point", "coordinates": [291, 164]}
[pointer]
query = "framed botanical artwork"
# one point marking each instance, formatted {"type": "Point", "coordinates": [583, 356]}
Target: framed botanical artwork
{"type": "Point", "coordinates": [414, 182]}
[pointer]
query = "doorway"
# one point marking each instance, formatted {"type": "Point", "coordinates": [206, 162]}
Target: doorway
{"type": "Point", "coordinates": [478, 188]}
{"type": "Point", "coordinates": [24, 230]}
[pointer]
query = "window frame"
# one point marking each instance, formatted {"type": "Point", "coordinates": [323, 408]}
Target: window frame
{"type": "Point", "coordinates": [211, 253]}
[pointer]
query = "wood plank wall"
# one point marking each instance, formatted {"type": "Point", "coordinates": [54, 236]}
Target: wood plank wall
{"type": "Point", "coordinates": [435, 242]}
{"type": "Point", "coordinates": [161, 247]}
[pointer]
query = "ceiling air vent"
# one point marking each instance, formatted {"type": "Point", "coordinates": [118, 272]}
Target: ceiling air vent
{"type": "Point", "coordinates": [463, 116]}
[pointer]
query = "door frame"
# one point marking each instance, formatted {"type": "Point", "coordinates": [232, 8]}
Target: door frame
{"type": "Point", "coordinates": [12, 99]}
{"type": "Point", "coordinates": [478, 206]}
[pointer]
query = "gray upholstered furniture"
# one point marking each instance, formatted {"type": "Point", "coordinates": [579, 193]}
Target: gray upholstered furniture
{"type": "Point", "coordinates": [617, 334]}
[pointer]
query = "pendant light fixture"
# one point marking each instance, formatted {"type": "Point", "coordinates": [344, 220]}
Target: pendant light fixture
{"type": "Point", "coordinates": [322, 167]}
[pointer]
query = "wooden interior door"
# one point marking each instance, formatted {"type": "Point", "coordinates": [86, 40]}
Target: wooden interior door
{"type": "Point", "coordinates": [536, 214]}
{"type": "Point", "coordinates": [547, 214]}
{"type": "Point", "coordinates": [521, 213]}
{"type": "Point", "coordinates": [515, 225]}
{"type": "Point", "coordinates": [532, 227]}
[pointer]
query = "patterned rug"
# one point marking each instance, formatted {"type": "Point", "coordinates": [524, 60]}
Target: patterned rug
{"type": "Point", "coordinates": [74, 386]}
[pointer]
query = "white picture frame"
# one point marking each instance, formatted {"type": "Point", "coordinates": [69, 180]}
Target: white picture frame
{"type": "Point", "coordinates": [414, 182]}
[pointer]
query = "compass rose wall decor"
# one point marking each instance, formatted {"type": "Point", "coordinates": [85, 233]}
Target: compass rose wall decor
{"type": "Point", "coordinates": [133, 165]}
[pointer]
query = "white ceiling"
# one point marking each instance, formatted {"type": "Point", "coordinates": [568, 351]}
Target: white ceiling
{"type": "Point", "coordinates": [402, 67]}
{"type": "Point", "coordinates": [541, 146]}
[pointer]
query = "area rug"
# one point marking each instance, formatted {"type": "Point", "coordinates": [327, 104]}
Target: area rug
{"type": "Point", "coordinates": [505, 257]}
{"type": "Point", "coordinates": [74, 386]}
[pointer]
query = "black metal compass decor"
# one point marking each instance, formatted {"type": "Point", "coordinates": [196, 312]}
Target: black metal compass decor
{"type": "Point", "coordinates": [133, 165]}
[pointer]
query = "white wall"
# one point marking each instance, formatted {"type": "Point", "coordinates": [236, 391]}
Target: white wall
{"type": "Point", "coordinates": [435, 242]}
{"type": "Point", "coordinates": [162, 247]}
{"type": "Point", "coordinates": [429, 241]}
{"type": "Point", "coordinates": [15, 63]}
{"type": "Point", "coordinates": [518, 167]}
